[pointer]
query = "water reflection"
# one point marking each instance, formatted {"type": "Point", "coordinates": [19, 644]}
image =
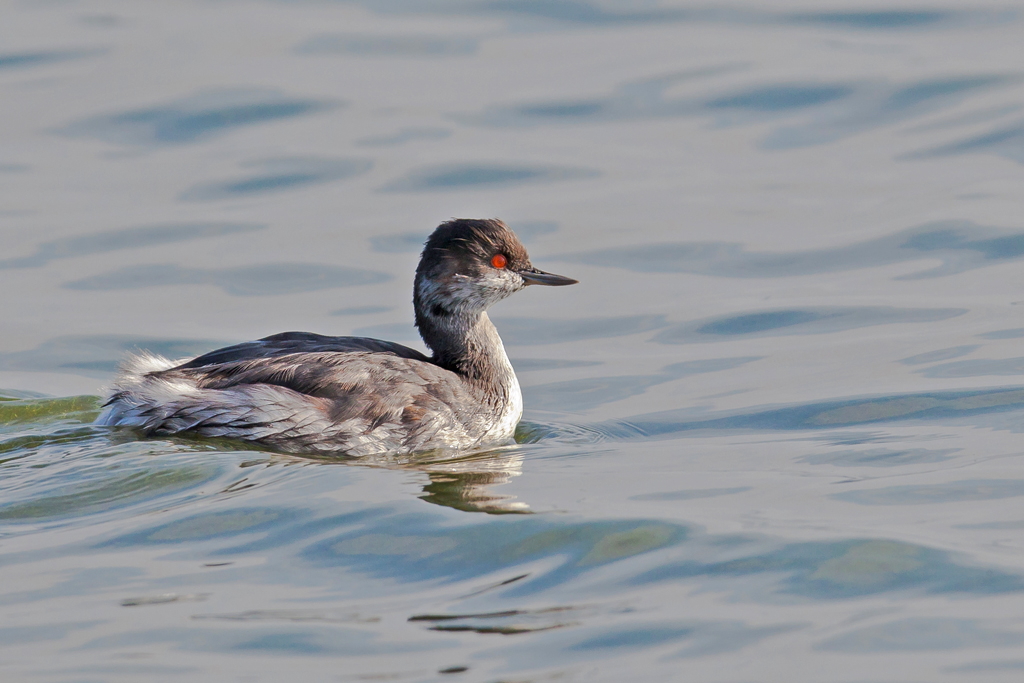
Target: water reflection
{"type": "Point", "coordinates": [403, 136]}
{"type": "Point", "coordinates": [98, 355]}
{"type": "Point", "coordinates": [418, 549]}
{"type": "Point", "coordinates": [817, 320]}
{"type": "Point", "coordinates": [474, 175]}
{"type": "Point", "coordinates": [925, 494]}
{"type": "Point", "coordinates": [584, 394]}
{"type": "Point", "coordinates": [980, 115]}
{"type": "Point", "coordinates": [690, 494]}
{"type": "Point", "coordinates": [278, 175]}
{"type": "Point", "coordinates": [838, 570]}
{"type": "Point", "coordinates": [108, 494]}
{"type": "Point", "coordinates": [540, 364]}
{"type": "Point", "coordinates": [267, 279]}
{"type": "Point", "coordinates": [387, 542]}
{"type": "Point", "coordinates": [22, 634]}
{"type": "Point", "coordinates": [293, 615]}
{"type": "Point", "coordinates": [20, 60]}
{"type": "Point", "coordinates": [1006, 141]}
{"type": "Point", "coordinates": [1014, 333]}
{"type": "Point", "coordinates": [940, 354]}
{"type": "Point", "coordinates": [387, 45]}
{"type": "Point", "coordinates": [262, 640]}
{"type": "Point", "coordinates": [370, 558]}
{"type": "Point", "coordinates": [981, 367]}
{"type": "Point", "coordinates": [219, 524]}
{"type": "Point", "coordinates": [831, 111]}
{"type": "Point", "coordinates": [41, 411]}
{"type": "Point", "coordinates": [57, 466]}
{"type": "Point", "coordinates": [125, 238]}
{"type": "Point", "coordinates": [697, 638]}
{"type": "Point", "coordinates": [622, 13]}
{"type": "Point", "coordinates": [779, 97]}
{"type": "Point", "coordinates": [883, 19]}
{"type": "Point", "coordinates": [927, 634]}
{"type": "Point", "coordinates": [361, 310]}
{"type": "Point", "coordinates": [946, 405]}
{"type": "Point", "coordinates": [881, 457]}
{"type": "Point", "coordinates": [467, 485]}
{"type": "Point", "coordinates": [960, 245]}
{"type": "Point", "coordinates": [872, 105]}
{"type": "Point", "coordinates": [988, 665]}
{"type": "Point", "coordinates": [194, 118]}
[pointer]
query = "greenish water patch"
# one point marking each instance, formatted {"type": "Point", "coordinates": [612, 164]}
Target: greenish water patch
{"type": "Point", "coordinates": [45, 410]}
{"type": "Point", "coordinates": [106, 493]}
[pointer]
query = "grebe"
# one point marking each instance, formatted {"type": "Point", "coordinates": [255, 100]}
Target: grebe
{"type": "Point", "coordinates": [300, 392]}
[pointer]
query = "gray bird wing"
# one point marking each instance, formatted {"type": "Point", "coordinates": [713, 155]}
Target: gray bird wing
{"type": "Point", "coordinates": [299, 342]}
{"type": "Point", "coordinates": [358, 402]}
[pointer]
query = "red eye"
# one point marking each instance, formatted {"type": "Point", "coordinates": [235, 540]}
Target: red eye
{"type": "Point", "coordinates": [499, 261]}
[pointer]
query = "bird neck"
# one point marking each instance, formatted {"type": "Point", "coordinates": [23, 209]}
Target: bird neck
{"type": "Point", "coordinates": [465, 342]}
{"type": "Point", "coordinates": [468, 345]}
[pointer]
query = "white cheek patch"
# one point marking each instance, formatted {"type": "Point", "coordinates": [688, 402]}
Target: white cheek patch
{"type": "Point", "coordinates": [477, 295]}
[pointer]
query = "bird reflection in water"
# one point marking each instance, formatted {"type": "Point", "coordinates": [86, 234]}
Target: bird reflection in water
{"type": "Point", "coordinates": [467, 484]}
{"type": "Point", "coordinates": [461, 483]}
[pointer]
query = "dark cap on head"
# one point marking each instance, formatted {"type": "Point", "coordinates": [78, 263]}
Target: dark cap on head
{"type": "Point", "coordinates": [468, 244]}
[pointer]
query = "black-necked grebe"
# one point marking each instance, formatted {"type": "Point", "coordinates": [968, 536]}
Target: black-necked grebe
{"type": "Point", "coordinates": [301, 392]}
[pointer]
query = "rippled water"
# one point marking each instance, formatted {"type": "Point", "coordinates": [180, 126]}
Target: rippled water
{"type": "Point", "coordinates": [771, 436]}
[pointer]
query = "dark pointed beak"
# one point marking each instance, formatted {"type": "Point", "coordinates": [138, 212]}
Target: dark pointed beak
{"type": "Point", "coordinates": [532, 276]}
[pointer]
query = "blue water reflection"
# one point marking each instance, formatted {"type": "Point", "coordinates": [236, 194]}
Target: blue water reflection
{"type": "Point", "coordinates": [405, 135]}
{"type": "Point", "coordinates": [940, 354]}
{"type": "Point", "coordinates": [97, 355]}
{"type": "Point", "coordinates": [278, 175]}
{"type": "Point", "coordinates": [823, 414]}
{"type": "Point", "coordinates": [339, 641]}
{"type": "Point", "coordinates": [960, 245]}
{"type": "Point", "coordinates": [515, 573]}
{"type": "Point", "coordinates": [107, 241]}
{"type": "Point", "coordinates": [195, 118]}
{"type": "Point", "coordinates": [833, 110]}
{"type": "Point", "coordinates": [822, 320]}
{"type": "Point", "coordinates": [21, 635]}
{"type": "Point", "coordinates": [981, 367]}
{"type": "Point", "coordinates": [386, 544]}
{"type": "Point", "coordinates": [920, 634]}
{"type": "Point", "coordinates": [923, 494]}
{"type": "Point", "coordinates": [1013, 333]}
{"type": "Point", "coordinates": [390, 46]}
{"type": "Point", "coordinates": [845, 569]}
{"type": "Point", "coordinates": [881, 457]}
{"type": "Point", "coordinates": [20, 60]}
{"type": "Point", "coordinates": [780, 98]}
{"type": "Point", "coordinates": [691, 494]}
{"type": "Point", "coordinates": [879, 19]}
{"type": "Point", "coordinates": [989, 665]}
{"type": "Point", "coordinates": [1006, 141]}
{"type": "Point", "coordinates": [267, 279]}
{"type": "Point", "coordinates": [620, 13]}
{"type": "Point", "coordinates": [459, 176]}
{"type": "Point", "coordinates": [583, 394]}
